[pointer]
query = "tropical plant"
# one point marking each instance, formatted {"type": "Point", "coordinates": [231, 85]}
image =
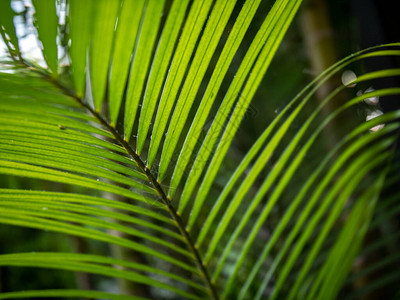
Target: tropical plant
{"type": "Point", "coordinates": [126, 127]}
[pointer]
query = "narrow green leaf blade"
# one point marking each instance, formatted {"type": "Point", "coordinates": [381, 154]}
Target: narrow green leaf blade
{"type": "Point", "coordinates": [97, 259]}
{"type": "Point", "coordinates": [141, 62]}
{"type": "Point", "coordinates": [209, 40]}
{"type": "Point", "coordinates": [104, 20]}
{"type": "Point", "coordinates": [127, 208]}
{"type": "Point", "coordinates": [13, 217]}
{"type": "Point", "coordinates": [53, 262]}
{"type": "Point", "coordinates": [232, 44]}
{"type": "Point", "coordinates": [348, 182]}
{"type": "Point", "coordinates": [80, 30]}
{"type": "Point", "coordinates": [343, 159]}
{"type": "Point", "coordinates": [125, 37]}
{"type": "Point", "coordinates": [191, 31]}
{"type": "Point", "coordinates": [261, 50]}
{"type": "Point", "coordinates": [343, 253]}
{"type": "Point", "coordinates": [159, 68]}
{"type": "Point", "coordinates": [46, 21]}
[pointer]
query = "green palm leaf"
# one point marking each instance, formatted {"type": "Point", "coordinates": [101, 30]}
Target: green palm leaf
{"type": "Point", "coordinates": [115, 139]}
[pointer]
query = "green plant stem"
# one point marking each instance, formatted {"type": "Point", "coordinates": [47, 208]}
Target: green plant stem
{"type": "Point", "coordinates": [163, 196]}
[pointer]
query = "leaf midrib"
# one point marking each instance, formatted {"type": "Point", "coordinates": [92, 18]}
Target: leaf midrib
{"type": "Point", "coordinates": [157, 186]}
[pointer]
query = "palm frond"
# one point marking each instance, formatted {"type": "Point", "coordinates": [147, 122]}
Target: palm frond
{"type": "Point", "coordinates": [140, 68]}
